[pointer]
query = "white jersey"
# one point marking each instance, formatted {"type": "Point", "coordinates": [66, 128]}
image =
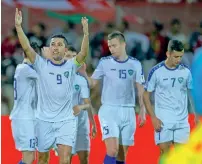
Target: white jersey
{"type": "Point", "coordinates": [119, 80]}
{"type": "Point", "coordinates": [170, 87]}
{"type": "Point", "coordinates": [55, 89]}
{"type": "Point", "coordinates": [24, 92]}
{"type": "Point", "coordinates": [81, 91]}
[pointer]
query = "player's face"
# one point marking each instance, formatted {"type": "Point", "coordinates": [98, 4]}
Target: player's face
{"type": "Point", "coordinates": [175, 57]}
{"type": "Point", "coordinates": [116, 47]}
{"type": "Point", "coordinates": [58, 49]}
{"type": "Point", "coordinates": [70, 55]}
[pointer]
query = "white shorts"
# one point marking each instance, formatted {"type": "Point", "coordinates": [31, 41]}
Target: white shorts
{"type": "Point", "coordinates": [24, 134]}
{"type": "Point", "coordinates": [119, 122]}
{"type": "Point", "coordinates": [177, 133]}
{"type": "Point", "coordinates": [53, 133]}
{"type": "Point", "coordinates": [82, 143]}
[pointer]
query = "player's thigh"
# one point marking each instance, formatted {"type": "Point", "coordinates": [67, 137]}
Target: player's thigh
{"type": "Point", "coordinates": [182, 135]}
{"type": "Point", "coordinates": [66, 132]}
{"type": "Point", "coordinates": [83, 156]}
{"type": "Point", "coordinates": [43, 157]}
{"type": "Point", "coordinates": [164, 147]}
{"type": "Point", "coordinates": [28, 156]}
{"type": "Point", "coordinates": [45, 134]}
{"type": "Point", "coordinates": [24, 135]}
{"type": "Point", "coordinates": [127, 127]}
{"type": "Point", "coordinates": [108, 122]}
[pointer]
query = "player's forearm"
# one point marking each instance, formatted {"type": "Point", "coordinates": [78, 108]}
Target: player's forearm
{"type": "Point", "coordinates": [140, 97]}
{"type": "Point", "coordinates": [25, 43]}
{"type": "Point", "coordinates": [191, 100]}
{"type": "Point", "coordinates": [147, 102]}
{"type": "Point", "coordinates": [90, 116]}
{"type": "Point", "coordinates": [84, 49]}
{"type": "Point", "coordinates": [84, 106]}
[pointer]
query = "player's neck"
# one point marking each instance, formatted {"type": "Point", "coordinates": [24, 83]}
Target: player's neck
{"type": "Point", "coordinates": [169, 64]}
{"type": "Point", "coordinates": [122, 57]}
{"type": "Point", "coordinates": [58, 62]}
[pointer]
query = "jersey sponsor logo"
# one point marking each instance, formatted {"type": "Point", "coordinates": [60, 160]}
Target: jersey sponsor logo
{"type": "Point", "coordinates": [66, 74]}
{"type": "Point", "coordinates": [77, 87]}
{"type": "Point", "coordinates": [51, 73]}
{"type": "Point", "coordinates": [180, 79]}
{"type": "Point", "coordinates": [130, 72]}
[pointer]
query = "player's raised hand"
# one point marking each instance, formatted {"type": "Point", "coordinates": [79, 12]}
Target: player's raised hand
{"type": "Point", "coordinates": [46, 52]}
{"type": "Point", "coordinates": [157, 123]}
{"type": "Point", "coordinates": [18, 17]}
{"type": "Point", "coordinates": [94, 131]}
{"type": "Point", "coordinates": [84, 22]}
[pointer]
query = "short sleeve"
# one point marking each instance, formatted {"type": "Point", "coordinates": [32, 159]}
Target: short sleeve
{"type": "Point", "coordinates": [139, 76]}
{"type": "Point", "coordinates": [85, 91]}
{"type": "Point", "coordinates": [39, 62]}
{"type": "Point", "coordinates": [99, 72]}
{"type": "Point", "coordinates": [189, 81]}
{"type": "Point", "coordinates": [151, 82]}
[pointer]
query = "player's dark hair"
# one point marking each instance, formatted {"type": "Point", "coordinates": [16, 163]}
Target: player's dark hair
{"type": "Point", "coordinates": [71, 48]}
{"type": "Point", "coordinates": [175, 45]}
{"type": "Point", "coordinates": [60, 36]}
{"type": "Point", "coordinates": [118, 35]}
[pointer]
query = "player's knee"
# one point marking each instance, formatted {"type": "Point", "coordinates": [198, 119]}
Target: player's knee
{"type": "Point", "coordinates": [121, 156]}
{"type": "Point", "coordinates": [28, 157]}
{"type": "Point", "coordinates": [112, 151]}
{"type": "Point", "coordinates": [84, 159]}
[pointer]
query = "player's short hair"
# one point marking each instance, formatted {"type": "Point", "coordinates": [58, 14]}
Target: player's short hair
{"type": "Point", "coordinates": [118, 35]}
{"type": "Point", "coordinates": [60, 36]}
{"type": "Point", "coordinates": [71, 48]}
{"type": "Point", "coordinates": [175, 45]}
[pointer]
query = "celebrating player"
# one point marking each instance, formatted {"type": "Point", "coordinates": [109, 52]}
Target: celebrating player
{"type": "Point", "coordinates": [55, 123]}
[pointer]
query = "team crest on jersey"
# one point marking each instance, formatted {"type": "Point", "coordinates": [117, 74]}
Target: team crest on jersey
{"type": "Point", "coordinates": [66, 74]}
{"type": "Point", "coordinates": [77, 87]}
{"type": "Point", "coordinates": [130, 72]}
{"type": "Point", "coordinates": [180, 79]}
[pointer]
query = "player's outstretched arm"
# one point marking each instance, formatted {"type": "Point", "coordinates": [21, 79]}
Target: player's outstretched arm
{"type": "Point", "coordinates": [155, 121]}
{"type": "Point", "coordinates": [78, 108]}
{"type": "Point", "coordinates": [85, 43]}
{"type": "Point", "coordinates": [91, 82]}
{"type": "Point", "coordinates": [91, 118]}
{"type": "Point", "coordinates": [142, 117]}
{"type": "Point", "coordinates": [31, 54]}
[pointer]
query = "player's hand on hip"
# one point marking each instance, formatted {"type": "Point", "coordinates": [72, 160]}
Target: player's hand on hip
{"type": "Point", "coordinates": [84, 22]}
{"type": "Point", "coordinates": [157, 123]}
{"type": "Point", "coordinates": [76, 110]}
{"type": "Point", "coordinates": [18, 17]}
{"type": "Point", "coordinates": [94, 131]}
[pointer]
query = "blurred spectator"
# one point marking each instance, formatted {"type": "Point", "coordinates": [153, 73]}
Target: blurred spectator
{"type": "Point", "coordinates": [175, 31]}
{"type": "Point", "coordinates": [137, 43]}
{"type": "Point", "coordinates": [69, 31]}
{"type": "Point", "coordinates": [196, 38]}
{"type": "Point", "coordinates": [158, 43]}
{"type": "Point", "coordinates": [99, 46]}
{"type": "Point", "coordinates": [38, 34]}
{"type": "Point", "coordinates": [9, 44]}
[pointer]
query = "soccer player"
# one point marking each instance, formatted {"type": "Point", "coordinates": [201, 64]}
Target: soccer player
{"type": "Point", "coordinates": [55, 122]}
{"type": "Point", "coordinates": [120, 74]}
{"type": "Point", "coordinates": [23, 114]}
{"type": "Point", "coordinates": [82, 96]}
{"type": "Point", "coordinates": [171, 82]}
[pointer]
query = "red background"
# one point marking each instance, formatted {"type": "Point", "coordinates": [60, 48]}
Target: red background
{"type": "Point", "coordinates": [144, 151]}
